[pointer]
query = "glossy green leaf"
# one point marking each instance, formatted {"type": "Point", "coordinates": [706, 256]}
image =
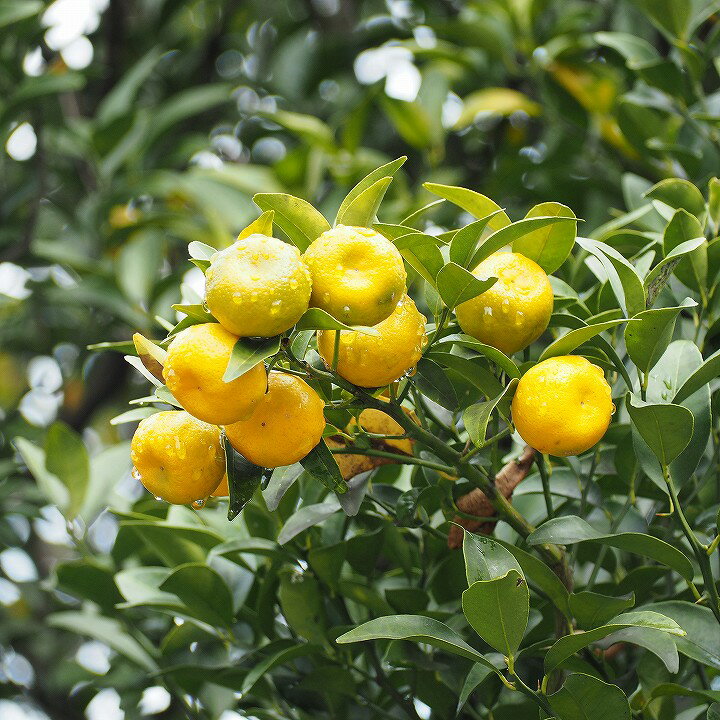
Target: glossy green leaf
{"type": "Point", "coordinates": [676, 192]}
{"type": "Point", "coordinates": [421, 252]}
{"type": "Point", "coordinates": [384, 171]}
{"type": "Point", "coordinates": [549, 246]}
{"type": "Point", "coordinates": [571, 529]}
{"type": "Point", "coordinates": [466, 239]}
{"type": "Point", "coordinates": [667, 429]}
{"type": "Point", "coordinates": [496, 356]}
{"type": "Point", "coordinates": [306, 517]}
{"type": "Point", "coordinates": [414, 627]}
{"type": "Point", "coordinates": [203, 591]}
{"type": "Point", "coordinates": [432, 380]}
{"type": "Point", "coordinates": [247, 353]}
{"type": "Point", "coordinates": [648, 336]}
{"type": "Point", "coordinates": [243, 479]}
{"type": "Point", "coordinates": [568, 342]}
{"type": "Point", "coordinates": [477, 416]}
{"type": "Point", "coordinates": [512, 234]}
{"type": "Point", "coordinates": [456, 285]}
{"type": "Point", "coordinates": [318, 319]}
{"type": "Point", "coordinates": [108, 631]}
{"type": "Point", "coordinates": [593, 609]}
{"type": "Point", "coordinates": [486, 559]}
{"type": "Point", "coordinates": [709, 370]}
{"type": "Point", "coordinates": [586, 697]}
{"type": "Point", "coordinates": [321, 464]}
{"type": "Point", "coordinates": [567, 646]}
{"type": "Point", "coordinates": [67, 459]}
{"type": "Point", "coordinates": [692, 270]}
{"type": "Point", "coordinates": [498, 610]}
{"type": "Point", "coordinates": [297, 218]}
{"type": "Point", "coordinates": [473, 202]}
{"type": "Point", "coordinates": [363, 209]}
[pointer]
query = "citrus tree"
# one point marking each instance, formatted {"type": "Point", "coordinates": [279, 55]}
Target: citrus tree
{"type": "Point", "coordinates": [385, 444]}
{"type": "Point", "coordinates": [551, 417]}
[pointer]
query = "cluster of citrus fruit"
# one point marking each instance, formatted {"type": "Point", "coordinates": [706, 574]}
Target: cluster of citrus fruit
{"type": "Point", "coordinates": [260, 287]}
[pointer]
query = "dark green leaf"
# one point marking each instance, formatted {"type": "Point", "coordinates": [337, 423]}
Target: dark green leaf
{"type": "Point", "coordinates": [321, 464]}
{"type": "Point", "coordinates": [243, 479]}
{"type": "Point", "coordinates": [298, 219]}
{"type": "Point", "coordinates": [586, 697]}
{"type": "Point", "coordinates": [456, 285]}
{"type": "Point", "coordinates": [477, 416]}
{"type": "Point", "coordinates": [498, 610]}
{"type": "Point", "coordinates": [432, 380]}
{"type": "Point", "coordinates": [318, 319]}
{"type": "Point", "coordinates": [247, 353]}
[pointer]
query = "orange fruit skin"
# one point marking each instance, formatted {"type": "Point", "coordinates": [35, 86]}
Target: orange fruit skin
{"type": "Point", "coordinates": [562, 406]}
{"type": "Point", "coordinates": [193, 371]}
{"type": "Point", "coordinates": [286, 425]}
{"type": "Point", "coordinates": [513, 312]}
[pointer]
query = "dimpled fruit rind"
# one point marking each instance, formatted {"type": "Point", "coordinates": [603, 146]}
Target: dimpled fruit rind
{"type": "Point", "coordinates": [377, 360]}
{"type": "Point", "coordinates": [286, 425]}
{"type": "Point", "coordinates": [258, 287]}
{"type": "Point", "coordinates": [177, 457]}
{"type": "Point", "coordinates": [193, 371]}
{"type": "Point", "coordinates": [515, 311]}
{"type": "Point", "coordinates": [562, 406]}
{"type": "Point", "coordinates": [358, 276]}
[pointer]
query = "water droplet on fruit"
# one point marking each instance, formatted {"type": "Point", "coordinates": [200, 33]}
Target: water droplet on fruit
{"type": "Point", "coordinates": [197, 504]}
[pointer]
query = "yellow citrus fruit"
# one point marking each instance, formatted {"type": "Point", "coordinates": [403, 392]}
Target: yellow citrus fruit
{"type": "Point", "coordinates": [376, 360]}
{"type": "Point", "coordinates": [379, 423]}
{"type": "Point", "coordinates": [286, 425]}
{"type": "Point", "coordinates": [515, 311]}
{"type": "Point", "coordinates": [177, 457]}
{"type": "Point", "coordinates": [562, 406]}
{"type": "Point", "coordinates": [358, 276]}
{"type": "Point", "coordinates": [222, 490]}
{"type": "Point", "coordinates": [194, 369]}
{"type": "Point", "coordinates": [258, 287]}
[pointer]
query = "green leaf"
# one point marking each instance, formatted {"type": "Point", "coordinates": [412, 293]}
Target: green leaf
{"type": "Point", "coordinates": [411, 121]}
{"type": "Point", "coordinates": [203, 591]}
{"type": "Point", "coordinates": [477, 416]}
{"type": "Point", "coordinates": [465, 240]}
{"type": "Point", "coordinates": [709, 370]}
{"type": "Point", "coordinates": [567, 646]}
{"type": "Point", "coordinates": [17, 10]}
{"type": "Point", "coordinates": [486, 559]}
{"type": "Point", "coordinates": [667, 429]}
{"type": "Point", "coordinates": [280, 481]}
{"type": "Point", "coordinates": [565, 344]}
{"type": "Point", "coordinates": [122, 96]}
{"type": "Point", "coordinates": [307, 127]}
{"type": "Point", "coordinates": [363, 209]}
{"type": "Point", "coordinates": [432, 380]}
{"type": "Point", "coordinates": [456, 285]}
{"type": "Point", "coordinates": [50, 485]}
{"type": "Point", "coordinates": [702, 639]}
{"type": "Point", "coordinates": [649, 335]}
{"type": "Point", "coordinates": [276, 653]}
{"type": "Point", "coordinates": [571, 529]}
{"type": "Point", "coordinates": [586, 697]}
{"type": "Point", "coordinates": [473, 202]}
{"type": "Point", "coordinates": [623, 277]}
{"type": "Point", "coordinates": [262, 225]}
{"type": "Point", "coordinates": [414, 627]}
{"type": "Point", "coordinates": [474, 678]}
{"type": "Point", "coordinates": [297, 218]}
{"type": "Point", "coordinates": [67, 459]}
{"type": "Point", "coordinates": [107, 631]}
{"type": "Point", "coordinates": [511, 234]}
{"type": "Point", "coordinates": [537, 573]}
{"type": "Point", "coordinates": [496, 356]}
{"type": "Point", "coordinates": [661, 272]}
{"type": "Point", "coordinates": [549, 246]}
{"type": "Point", "coordinates": [318, 319]}
{"type": "Point", "coordinates": [673, 16]}
{"type": "Point", "coordinates": [385, 171]}
{"type": "Point", "coordinates": [301, 603]}
{"type": "Point", "coordinates": [243, 479]}
{"type": "Point", "coordinates": [421, 252]}
{"type": "Point", "coordinates": [593, 609]}
{"type": "Point", "coordinates": [632, 48]}
{"type": "Point", "coordinates": [306, 517]}
{"type": "Point", "coordinates": [498, 610]}
{"type": "Point", "coordinates": [321, 464]}
{"type": "Point", "coordinates": [247, 353]}
{"type": "Point", "coordinates": [692, 270]}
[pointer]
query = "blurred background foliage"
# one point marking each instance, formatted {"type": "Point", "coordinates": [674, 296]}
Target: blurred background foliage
{"type": "Point", "coordinates": [130, 127]}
